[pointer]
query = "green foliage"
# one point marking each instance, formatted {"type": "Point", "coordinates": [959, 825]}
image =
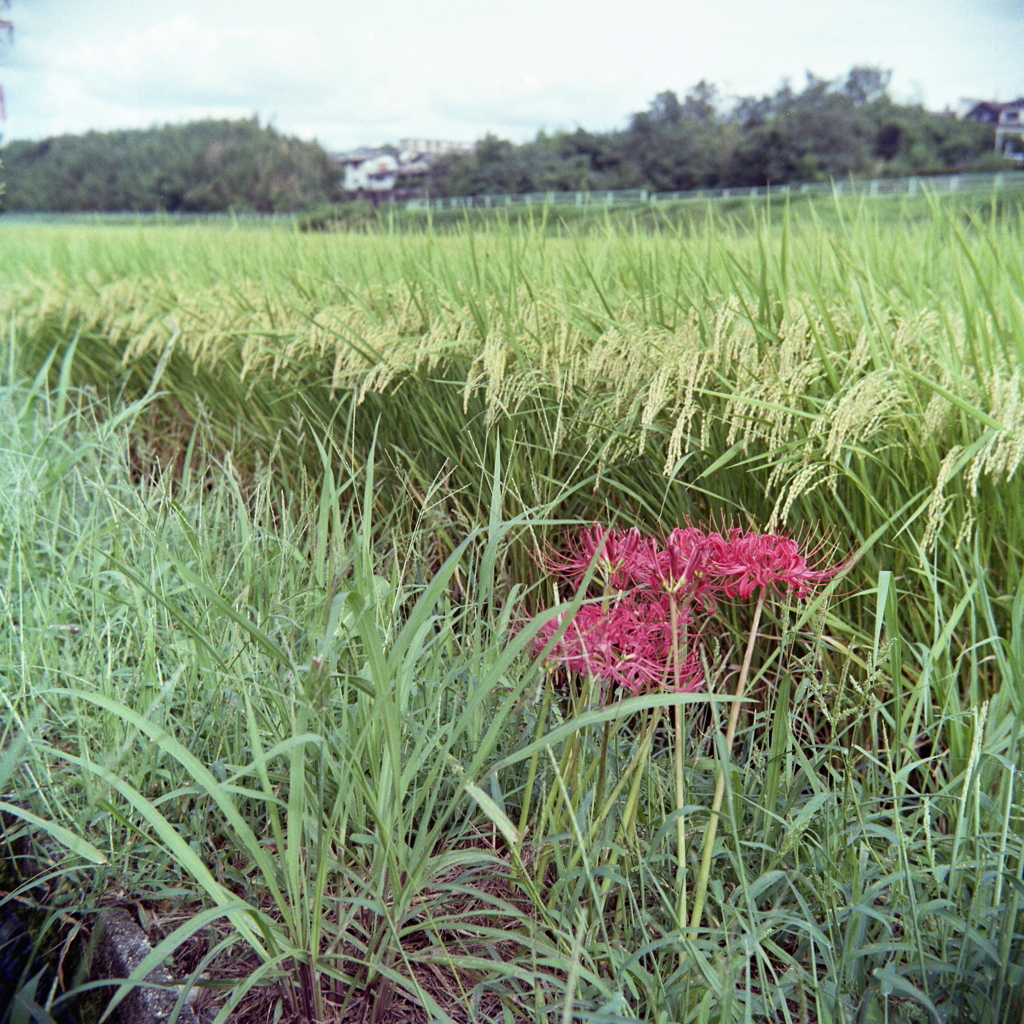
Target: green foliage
{"type": "Point", "coordinates": [348, 216]}
{"type": "Point", "coordinates": [275, 612]}
{"type": "Point", "coordinates": [826, 130]}
{"type": "Point", "coordinates": [206, 166]}
{"type": "Point", "coordinates": [287, 711]}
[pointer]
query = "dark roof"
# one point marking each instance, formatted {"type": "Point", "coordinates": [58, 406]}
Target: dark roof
{"type": "Point", "coordinates": [988, 111]}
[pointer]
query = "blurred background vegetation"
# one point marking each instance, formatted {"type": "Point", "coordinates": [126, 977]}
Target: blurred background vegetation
{"type": "Point", "coordinates": [203, 167]}
{"type": "Point", "coordinates": [827, 129]}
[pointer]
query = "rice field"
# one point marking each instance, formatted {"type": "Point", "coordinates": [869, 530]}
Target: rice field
{"type": "Point", "coordinates": [277, 520]}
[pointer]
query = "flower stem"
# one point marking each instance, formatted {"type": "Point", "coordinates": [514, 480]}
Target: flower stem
{"type": "Point", "coordinates": [701, 889]}
{"type": "Point", "coordinates": [680, 820]}
{"type": "Point", "coordinates": [605, 602]}
{"type": "Point", "coordinates": [603, 758]}
{"type": "Point", "coordinates": [677, 657]}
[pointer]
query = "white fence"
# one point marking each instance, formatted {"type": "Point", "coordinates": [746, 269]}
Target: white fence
{"type": "Point", "coordinates": [605, 197]}
{"type": "Point", "coordinates": [939, 184]}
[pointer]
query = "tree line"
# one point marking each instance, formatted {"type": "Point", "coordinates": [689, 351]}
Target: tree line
{"type": "Point", "coordinates": [827, 129]}
{"type": "Point", "coordinates": [202, 167]}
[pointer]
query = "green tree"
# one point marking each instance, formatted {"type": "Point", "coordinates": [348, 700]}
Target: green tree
{"type": "Point", "coordinates": [677, 145]}
{"type": "Point", "coordinates": [206, 166]}
{"type": "Point", "coordinates": [826, 129]}
{"type": "Point", "coordinates": [867, 84]}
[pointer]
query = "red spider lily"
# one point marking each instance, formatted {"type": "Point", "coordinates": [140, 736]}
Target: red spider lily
{"type": "Point", "coordinates": [579, 647]}
{"type": "Point", "coordinates": [747, 561]}
{"type": "Point", "coordinates": [622, 556]}
{"type": "Point", "coordinates": [628, 645]}
{"type": "Point", "coordinates": [690, 676]}
{"type": "Point", "coordinates": [632, 640]}
{"type": "Point", "coordinates": [686, 566]}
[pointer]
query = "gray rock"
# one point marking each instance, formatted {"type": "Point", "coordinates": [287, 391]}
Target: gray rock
{"type": "Point", "coordinates": [120, 947]}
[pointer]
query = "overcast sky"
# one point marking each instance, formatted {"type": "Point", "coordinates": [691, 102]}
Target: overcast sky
{"type": "Point", "coordinates": [352, 73]}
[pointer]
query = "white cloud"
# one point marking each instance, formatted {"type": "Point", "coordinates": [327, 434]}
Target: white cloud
{"type": "Point", "coordinates": [351, 73]}
{"type": "Point", "coordinates": [184, 62]}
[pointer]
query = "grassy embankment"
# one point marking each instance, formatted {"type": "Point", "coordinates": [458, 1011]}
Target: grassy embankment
{"type": "Point", "coordinates": [264, 678]}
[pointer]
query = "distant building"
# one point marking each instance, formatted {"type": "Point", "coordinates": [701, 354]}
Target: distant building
{"type": "Point", "coordinates": [368, 170]}
{"type": "Point", "coordinates": [984, 112]}
{"type": "Point", "coordinates": [1010, 131]}
{"type": "Point", "coordinates": [1008, 121]}
{"type": "Point", "coordinates": [382, 174]}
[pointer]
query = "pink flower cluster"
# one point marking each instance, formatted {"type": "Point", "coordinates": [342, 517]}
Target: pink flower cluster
{"type": "Point", "coordinates": [626, 636]}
